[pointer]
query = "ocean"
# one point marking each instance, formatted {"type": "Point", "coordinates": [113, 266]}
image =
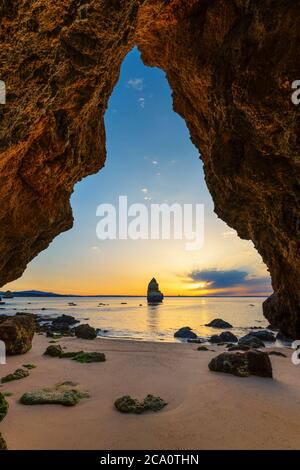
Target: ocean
{"type": "Point", "coordinates": [133, 318]}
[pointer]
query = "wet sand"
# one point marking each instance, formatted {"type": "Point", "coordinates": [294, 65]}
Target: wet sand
{"type": "Point", "coordinates": [205, 410]}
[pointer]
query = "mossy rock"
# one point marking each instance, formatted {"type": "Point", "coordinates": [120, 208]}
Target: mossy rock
{"type": "Point", "coordinates": [7, 394]}
{"type": "Point", "coordinates": [153, 403]}
{"type": "Point", "coordinates": [243, 364]}
{"type": "Point", "coordinates": [54, 351]}
{"type": "Point", "coordinates": [3, 407]}
{"type": "Point", "coordinates": [127, 404]}
{"type": "Point", "coordinates": [71, 354]}
{"type": "Point", "coordinates": [79, 356]}
{"type": "Point", "coordinates": [88, 357]}
{"type": "Point", "coordinates": [29, 366]}
{"type": "Point", "coordinates": [52, 397]}
{"type": "Point", "coordinates": [17, 375]}
{"type": "Point", "coordinates": [3, 445]}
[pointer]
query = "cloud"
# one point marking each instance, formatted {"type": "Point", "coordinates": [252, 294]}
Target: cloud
{"type": "Point", "coordinates": [217, 279]}
{"type": "Point", "coordinates": [229, 281]}
{"type": "Point", "coordinates": [141, 102]}
{"type": "Point", "coordinates": [136, 83]}
{"type": "Point", "coordinates": [96, 249]}
{"type": "Point", "coordinates": [154, 162]}
{"type": "Point", "coordinates": [144, 190]}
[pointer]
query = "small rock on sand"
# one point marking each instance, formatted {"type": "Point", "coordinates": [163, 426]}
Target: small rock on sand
{"type": "Point", "coordinates": [17, 375]}
{"type": "Point", "coordinates": [219, 323]}
{"type": "Point", "coordinates": [224, 337]}
{"type": "Point", "coordinates": [3, 445]}
{"type": "Point", "coordinates": [203, 348]}
{"type": "Point", "coordinates": [3, 407]}
{"type": "Point", "coordinates": [185, 332]}
{"type": "Point", "coordinates": [127, 404]}
{"type": "Point", "coordinates": [52, 397]}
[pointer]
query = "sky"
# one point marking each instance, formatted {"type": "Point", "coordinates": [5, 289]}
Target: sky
{"type": "Point", "coordinates": [151, 160]}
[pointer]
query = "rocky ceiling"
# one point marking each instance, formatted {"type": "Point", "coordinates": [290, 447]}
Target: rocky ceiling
{"type": "Point", "coordinates": [230, 64]}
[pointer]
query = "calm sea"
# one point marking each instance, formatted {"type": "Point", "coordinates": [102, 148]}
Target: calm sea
{"type": "Point", "coordinates": [132, 318]}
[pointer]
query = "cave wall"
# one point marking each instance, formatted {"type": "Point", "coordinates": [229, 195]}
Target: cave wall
{"type": "Point", "coordinates": [230, 64]}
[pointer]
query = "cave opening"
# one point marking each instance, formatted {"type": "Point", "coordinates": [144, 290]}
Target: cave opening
{"type": "Point", "coordinates": [151, 159]}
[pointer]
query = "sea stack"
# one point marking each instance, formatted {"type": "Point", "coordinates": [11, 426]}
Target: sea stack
{"type": "Point", "coordinates": [153, 294]}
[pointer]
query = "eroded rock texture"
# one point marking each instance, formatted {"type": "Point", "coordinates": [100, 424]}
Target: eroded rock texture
{"type": "Point", "coordinates": [230, 64]}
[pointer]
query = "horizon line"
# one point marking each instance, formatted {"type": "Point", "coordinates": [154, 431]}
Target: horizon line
{"type": "Point", "coordinates": [37, 293]}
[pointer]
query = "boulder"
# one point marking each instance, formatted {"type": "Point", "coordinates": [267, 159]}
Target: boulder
{"type": "Point", "coordinates": [63, 323]}
{"type": "Point", "coordinates": [224, 337]}
{"type": "Point", "coordinates": [251, 341]}
{"type": "Point", "coordinates": [85, 331]}
{"type": "Point", "coordinates": [243, 364]}
{"type": "Point", "coordinates": [17, 333]}
{"type": "Point", "coordinates": [263, 335]}
{"type": "Point", "coordinates": [185, 333]}
{"type": "Point", "coordinates": [219, 323]}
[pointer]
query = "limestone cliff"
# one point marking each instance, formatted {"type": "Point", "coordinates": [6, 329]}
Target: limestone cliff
{"type": "Point", "coordinates": [230, 64]}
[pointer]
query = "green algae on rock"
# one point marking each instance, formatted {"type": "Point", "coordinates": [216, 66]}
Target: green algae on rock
{"type": "Point", "coordinates": [88, 357]}
{"type": "Point", "coordinates": [54, 351]}
{"type": "Point", "coordinates": [3, 445]}
{"type": "Point", "coordinates": [243, 364]}
{"type": "Point", "coordinates": [17, 375]}
{"type": "Point", "coordinates": [79, 356]}
{"type": "Point", "coordinates": [153, 403]}
{"type": "Point", "coordinates": [3, 407]}
{"type": "Point", "coordinates": [29, 366]}
{"type": "Point", "coordinates": [53, 397]}
{"type": "Point", "coordinates": [127, 404]}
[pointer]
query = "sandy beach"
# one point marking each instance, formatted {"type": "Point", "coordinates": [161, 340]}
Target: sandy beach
{"type": "Point", "coordinates": [206, 410]}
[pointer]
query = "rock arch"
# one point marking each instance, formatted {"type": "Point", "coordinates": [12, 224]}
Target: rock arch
{"type": "Point", "coordinates": [230, 64]}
